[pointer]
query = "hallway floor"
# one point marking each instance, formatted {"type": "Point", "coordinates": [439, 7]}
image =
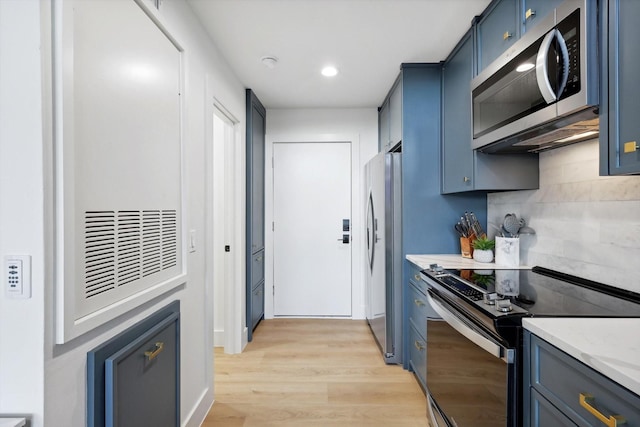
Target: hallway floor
{"type": "Point", "coordinates": [313, 372]}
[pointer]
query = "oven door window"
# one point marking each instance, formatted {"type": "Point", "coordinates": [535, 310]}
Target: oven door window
{"type": "Point", "coordinates": [469, 384]}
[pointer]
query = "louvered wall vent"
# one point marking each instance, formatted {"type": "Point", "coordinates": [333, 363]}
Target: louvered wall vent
{"type": "Point", "coordinates": [122, 247]}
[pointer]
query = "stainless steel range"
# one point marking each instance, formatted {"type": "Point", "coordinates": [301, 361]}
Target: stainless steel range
{"type": "Point", "coordinates": [474, 353]}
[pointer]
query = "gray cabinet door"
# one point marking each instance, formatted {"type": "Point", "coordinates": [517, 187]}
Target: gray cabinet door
{"type": "Point", "coordinates": [255, 143]}
{"type": "Point", "coordinates": [395, 115]}
{"type": "Point", "coordinates": [257, 308]}
{"type": "Point", "coordinates": [619, 124]}
{"type": "Point", "coordinates": [497, 30]}
{"type": "Point", "coordinates": [384, 124]}
{"type": "Point", "coordinates": [257, 179]}
{"type": "Point", "coordinates": [457, 156]}
{"type": "Point", "coordinates": [142, 380]}
{"type": "Point", "coordinates": [544, 414]}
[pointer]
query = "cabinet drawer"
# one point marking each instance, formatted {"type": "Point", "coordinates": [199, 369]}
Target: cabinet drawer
{"type": "Point", "coordinates": [544, 413]}
{"type": "Point", "coordinates": [142, 380]}
{"type": "Point", "coordinates": [418, 356]}
{"type": "Point", "coordinates": [414, 278]}
{"type": "Point", "coordinates": [257, 268]}
{"type": "Point", "coordinates": [418, 311]}
{"type": "Point", "coordinates": [561, 379]}
{"type": "Point", "coordinates": [257, 304]}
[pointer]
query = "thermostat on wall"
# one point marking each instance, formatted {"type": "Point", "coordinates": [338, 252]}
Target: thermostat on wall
{"type": "Point", "coordinates": [17, 276]}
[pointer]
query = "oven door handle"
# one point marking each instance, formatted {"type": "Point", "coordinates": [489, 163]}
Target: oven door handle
{"type": "Point", "coordinates": [488, 345]}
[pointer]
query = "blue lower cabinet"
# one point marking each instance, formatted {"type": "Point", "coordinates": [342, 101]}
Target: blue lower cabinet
{"type": "Point", "coordinates": [257, 304]}
{"type": "Point", "coordinates": [418, 356]}
{"type": "Point", "coordinates": [142, 380]}
{"type": "Point", "coordinates": [555, 383]}
{"type": "Point", "coordinates": [543, 413]}
{"type": "Point", "coordinates": [415, 280]}
{"type": "Point", "coordinates": [134, 377]}
{"type": "Point", "coordinates": [418, 310]}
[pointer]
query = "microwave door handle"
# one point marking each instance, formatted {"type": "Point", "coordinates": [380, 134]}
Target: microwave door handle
{"type": "Point", "coordinates": [542, 70]}
{"type": "Point", "coordinates": [484, 343]}
{"type": "Point", "coordinates": [564, 53]}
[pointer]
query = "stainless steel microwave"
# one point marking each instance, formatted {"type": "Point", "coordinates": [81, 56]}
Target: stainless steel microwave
{"type": "Point", "coordinates": [543, 91]}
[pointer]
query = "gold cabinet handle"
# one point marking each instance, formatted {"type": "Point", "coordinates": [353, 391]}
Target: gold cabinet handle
{"type": "Point", "coordinates": [631, 147]}
{"type": "Point", "coordinates": [418, 302]}
{"type": "Point", "coordinates": [416, 276]}
{"type": "Point", "coordinates": [466, 179]}
{"type": "Point", "coordinates": [153, 354]}
{"type": "Point", "coordinates": [529, 13]}
{"type": "Point", "coordinates": [587, 400]}
{"type": "Point", "coordinates": [506, 35]}
{"type": "Point", "coordinates": [418, 345]}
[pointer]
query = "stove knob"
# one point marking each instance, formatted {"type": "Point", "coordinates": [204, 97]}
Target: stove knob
{"type": "Point", "coordinates": [503, 306]}
{"type": "Point", "coordinates": [490, 298]}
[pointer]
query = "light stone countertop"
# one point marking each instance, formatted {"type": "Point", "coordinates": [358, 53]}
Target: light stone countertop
{"type": "Point", "coordinates": [456, 261]}
{"type": "Point", "coordinates": [610, 346]}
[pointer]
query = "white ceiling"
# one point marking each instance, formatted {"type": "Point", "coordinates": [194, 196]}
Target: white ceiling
{"type": "Point", "coordinates": [366, 40]}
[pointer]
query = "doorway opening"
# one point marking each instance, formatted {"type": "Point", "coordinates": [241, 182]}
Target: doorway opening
{"type": "Point", "coordinates": [227, 323]}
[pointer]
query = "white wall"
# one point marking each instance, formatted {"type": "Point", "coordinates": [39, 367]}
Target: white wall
{"type": "Point", "coordinates": [38, 377]}
{"type": "Point", "coordinates": [22, 322]}
{"type": "Point", "coordinates": [320, 124]}
{"type": "Point", "coordinates": [586, 225]}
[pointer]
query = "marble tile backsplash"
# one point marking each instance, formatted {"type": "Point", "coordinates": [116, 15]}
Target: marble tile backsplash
{"type": "Point", "coordinates": [586, 225]}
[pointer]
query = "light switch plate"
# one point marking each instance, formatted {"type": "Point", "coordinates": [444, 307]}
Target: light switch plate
{"type": "Point", "coordinates": [17, 276]}
{"type": "Point", "coordinates": [192, 240]}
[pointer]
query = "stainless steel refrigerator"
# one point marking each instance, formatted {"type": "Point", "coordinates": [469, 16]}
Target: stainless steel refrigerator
{"type": "Point", "coordinates": [383, 280]}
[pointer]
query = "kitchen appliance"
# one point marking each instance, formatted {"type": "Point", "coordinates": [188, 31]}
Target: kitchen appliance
{"type": "Point", "coordinates": [474, 353]}
{"type": "Point", "coordinates": [383, 281]}
{"type": "Point", "coordinates": [542, 92]}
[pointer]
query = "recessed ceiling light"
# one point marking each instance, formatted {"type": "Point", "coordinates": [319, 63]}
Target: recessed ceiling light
{"type": "Point", "coordinates": [329, 71]}
{"type": "Point", "coordinates": [269, 61]}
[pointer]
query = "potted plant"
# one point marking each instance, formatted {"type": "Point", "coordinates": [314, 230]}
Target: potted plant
{"type": "Point", "coordinates": [483, 249]}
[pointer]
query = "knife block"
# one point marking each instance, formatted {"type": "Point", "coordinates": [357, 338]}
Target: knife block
{"type": "Point", "coordinates": [466, 246]}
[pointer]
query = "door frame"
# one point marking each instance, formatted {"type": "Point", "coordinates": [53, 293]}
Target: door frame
{"type": "Point", "coordinates": [357, 215]}
{"type": "Point", "coordinates": [235, 337]}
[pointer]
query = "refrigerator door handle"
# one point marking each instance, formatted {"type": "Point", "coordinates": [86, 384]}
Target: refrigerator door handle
{"type": "Point", "coordinates": [371, 232]}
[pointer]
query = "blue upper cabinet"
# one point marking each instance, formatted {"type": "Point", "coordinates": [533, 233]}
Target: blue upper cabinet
{"type": "Point", "coordinates": [497, 29]}
{"type": "Point", "coordinates": [457, 157]}
{"type": "Point", "coordinates": [390, 118]}
{"type": "Point", "coordinates": [464, 169]}
{"type": "Point", "coordinates": [383, 126]}
{"type": "Point", "coordinates": [534, 10]}
{"type": "Point", "coordinates": [620, 100]}
{"type": "Point", "coordinates": [504, 22]}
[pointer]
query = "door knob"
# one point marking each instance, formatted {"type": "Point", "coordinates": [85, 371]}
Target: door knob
{"type": "Point", "coordinates": [345, 239]}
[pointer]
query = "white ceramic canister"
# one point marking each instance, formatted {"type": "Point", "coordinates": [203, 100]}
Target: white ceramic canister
{"type": "Point", "coordinates": [508, 251]}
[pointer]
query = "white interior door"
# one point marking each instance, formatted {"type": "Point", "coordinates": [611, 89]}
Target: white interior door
{"type": "Point", "coordinates": [312, 197]}
{"type": "Point", "coordinates": [223, 223]}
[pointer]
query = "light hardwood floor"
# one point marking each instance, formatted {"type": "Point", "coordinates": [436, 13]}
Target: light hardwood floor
{"type": "Point", "coordinates": [313, 372]}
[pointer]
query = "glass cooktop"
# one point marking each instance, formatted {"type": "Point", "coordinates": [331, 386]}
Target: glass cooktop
{"type": "Point", "coordinates": [544, 292]}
